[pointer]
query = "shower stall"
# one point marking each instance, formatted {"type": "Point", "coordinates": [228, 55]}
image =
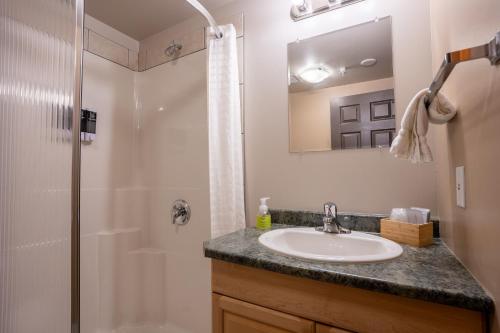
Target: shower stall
{"type": "Point", "coordinates": [140, 272]}
{"type": "Point", "coordinates": [97, 143]}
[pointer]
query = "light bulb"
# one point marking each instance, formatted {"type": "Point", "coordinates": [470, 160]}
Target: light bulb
{"type": "Point", "coordinates": [298, 3]}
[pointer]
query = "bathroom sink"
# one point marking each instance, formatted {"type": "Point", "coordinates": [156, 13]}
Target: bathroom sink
{"type": "Point", "coordinates": [308, 243]}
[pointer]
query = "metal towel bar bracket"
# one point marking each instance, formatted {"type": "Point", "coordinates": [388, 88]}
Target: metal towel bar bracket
{"type": "Point", "coordinates": [490, 51]}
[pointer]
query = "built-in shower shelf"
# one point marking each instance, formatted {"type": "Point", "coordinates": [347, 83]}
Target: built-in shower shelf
{"type": "Point", "coordinates": [131, 278]}
{"type": "Point", "coordinates": [119, 231]}
{"type": "Point", "coordinates": [147, 251]}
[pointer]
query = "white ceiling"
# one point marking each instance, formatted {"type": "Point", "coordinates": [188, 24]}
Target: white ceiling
{"type": "Point", "coordinates": [142, 18]}
{"type": "Point", "coordinates": [344, 48]}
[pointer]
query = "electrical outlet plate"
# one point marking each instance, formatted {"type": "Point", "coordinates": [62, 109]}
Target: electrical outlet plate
{"type": "Point", "coordinates": [460, 186]}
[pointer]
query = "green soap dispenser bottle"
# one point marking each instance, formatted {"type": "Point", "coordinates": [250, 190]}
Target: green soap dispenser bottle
{"type": "Point", "coordinates": [264, 217]}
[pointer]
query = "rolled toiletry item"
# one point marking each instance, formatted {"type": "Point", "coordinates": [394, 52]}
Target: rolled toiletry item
{"type": "Point", "coordinates": [425, 214]}
{"type": "Point", "coordinates": [441, 110]}
{"type": "Point", "coordinates": [399, 214]}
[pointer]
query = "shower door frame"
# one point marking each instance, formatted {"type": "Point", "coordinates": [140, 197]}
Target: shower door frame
{"type": "Point", "coordinates": [76, 168]}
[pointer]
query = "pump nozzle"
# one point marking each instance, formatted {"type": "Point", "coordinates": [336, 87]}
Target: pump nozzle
{"type": "Point", "coordinates": [263, 208]}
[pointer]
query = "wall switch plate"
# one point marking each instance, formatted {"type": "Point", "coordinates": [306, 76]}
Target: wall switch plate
{"type": "Point", "coordinates": [460, 186]}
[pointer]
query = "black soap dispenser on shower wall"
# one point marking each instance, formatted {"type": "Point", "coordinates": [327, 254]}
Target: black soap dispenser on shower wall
{"type": "Point", "coordinates": [88, 125]}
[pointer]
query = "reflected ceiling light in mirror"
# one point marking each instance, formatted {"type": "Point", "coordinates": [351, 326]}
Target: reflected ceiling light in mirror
{"type": "Point", "coordinates": [369, 62]}
{"type": "Point", "coordinates": [315, 74]}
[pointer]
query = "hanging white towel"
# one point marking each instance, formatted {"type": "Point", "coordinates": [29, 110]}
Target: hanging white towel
{"type": "Point", "coordinates": [411, 142]}
{"type": "Point", "coordinates": [227, 206]}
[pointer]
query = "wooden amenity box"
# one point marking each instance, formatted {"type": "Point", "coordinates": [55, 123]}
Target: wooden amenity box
{"type": "Point", "coordinates": [402, 232]}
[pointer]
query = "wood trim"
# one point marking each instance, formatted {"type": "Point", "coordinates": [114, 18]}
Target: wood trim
{"type": "Point", "coordinates": [257, 313]}
{"type": "Point", "coordinates": [349, 308]}
{"type": "Point", "coordinates": [217, 315]}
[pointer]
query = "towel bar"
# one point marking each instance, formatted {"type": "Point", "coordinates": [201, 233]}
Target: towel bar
{"type": "Point", "coordinates": [490, 51]}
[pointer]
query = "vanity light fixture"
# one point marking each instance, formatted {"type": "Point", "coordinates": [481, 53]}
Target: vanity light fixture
{"type": "Point", "coordinates": [299, 7]}
{"type": "Point", "coordinates": [315, 74]}
{"type": "Point", "coordinates": [302, 9]}
{"type": "Point", "coordinates": [300, 4]}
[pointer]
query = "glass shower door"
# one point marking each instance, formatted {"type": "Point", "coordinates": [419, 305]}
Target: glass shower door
{"type": "Point", "coordinates": [39, 161]}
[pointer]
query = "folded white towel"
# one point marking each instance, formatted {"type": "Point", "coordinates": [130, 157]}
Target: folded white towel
{"type": "Point", "coordinates": [411, 142]}
{"type": "Point", "coordinates": [441, 110]}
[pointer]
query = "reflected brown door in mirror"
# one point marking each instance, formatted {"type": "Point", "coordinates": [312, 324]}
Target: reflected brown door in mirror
{"type": "Point", "coordinates": [363, 121]}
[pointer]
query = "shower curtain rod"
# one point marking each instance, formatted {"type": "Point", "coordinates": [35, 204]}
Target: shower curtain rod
{"type": "Point", "coordinates": [199, 7]}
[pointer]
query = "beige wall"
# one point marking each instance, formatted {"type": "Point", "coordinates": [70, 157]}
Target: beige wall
{"type": "Point", "coordinates": [363, 181]}
{"type": "Point", "coordinates": [471, 140]}
{"type": "Point", "coordinates": [309, 113]}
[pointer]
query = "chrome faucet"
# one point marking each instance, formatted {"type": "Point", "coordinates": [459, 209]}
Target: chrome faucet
{"type": "Point", "coordinates": [330, 223]}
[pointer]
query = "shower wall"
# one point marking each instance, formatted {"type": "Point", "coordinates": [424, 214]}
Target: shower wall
{"type": "Point", "coordinates": [140, 273]}
{"type": "Point", "coordinates": [113, 211]}
{"type": "Point", "coordinates": [174, 151]}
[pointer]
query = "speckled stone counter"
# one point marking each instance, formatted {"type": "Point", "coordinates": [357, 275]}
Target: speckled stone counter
{"type": "Point", "coordinates": [431, 274]}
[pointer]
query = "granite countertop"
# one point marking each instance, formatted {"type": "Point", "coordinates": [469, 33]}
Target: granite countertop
{"type": "Point", "coordinates": [431, 274]}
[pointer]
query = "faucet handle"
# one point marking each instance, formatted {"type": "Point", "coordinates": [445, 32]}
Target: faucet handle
{"type": "Point", "coordinates": [330, 210]}
{"type": "Point", "coordinates": [326, 210]}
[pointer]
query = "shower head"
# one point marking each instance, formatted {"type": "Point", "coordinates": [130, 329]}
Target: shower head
{"type": "Point", "coordinates": [173, 49]}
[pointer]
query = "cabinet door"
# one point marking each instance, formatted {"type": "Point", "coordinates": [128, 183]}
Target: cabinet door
{"type": "Point", "coordinates": [234, 316]}
{"type": "Point", "coordinates": [328, 329]}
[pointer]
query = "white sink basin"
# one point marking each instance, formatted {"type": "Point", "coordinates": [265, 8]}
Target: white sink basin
{"type": "Point", "coordinates": [308, 243]}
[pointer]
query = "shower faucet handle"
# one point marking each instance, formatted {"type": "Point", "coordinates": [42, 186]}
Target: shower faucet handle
{"type": "Point", "coordinates": [181, 212]}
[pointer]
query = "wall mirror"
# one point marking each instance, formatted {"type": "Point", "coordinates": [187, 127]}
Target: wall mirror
{"type": "Point", "coordinates": [341, 89]}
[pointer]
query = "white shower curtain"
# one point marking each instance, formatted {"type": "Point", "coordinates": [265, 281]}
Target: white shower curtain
{"type": "Point", "coordinates": [225, 139]}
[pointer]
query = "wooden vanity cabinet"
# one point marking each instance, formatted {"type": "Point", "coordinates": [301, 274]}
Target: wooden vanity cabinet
{"type": "Point", "coordinates": [250, 300]}
{"type": "Point", "coordinates": [320, 328]}
{"type": "Point", "coordinates": [233, 316]}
